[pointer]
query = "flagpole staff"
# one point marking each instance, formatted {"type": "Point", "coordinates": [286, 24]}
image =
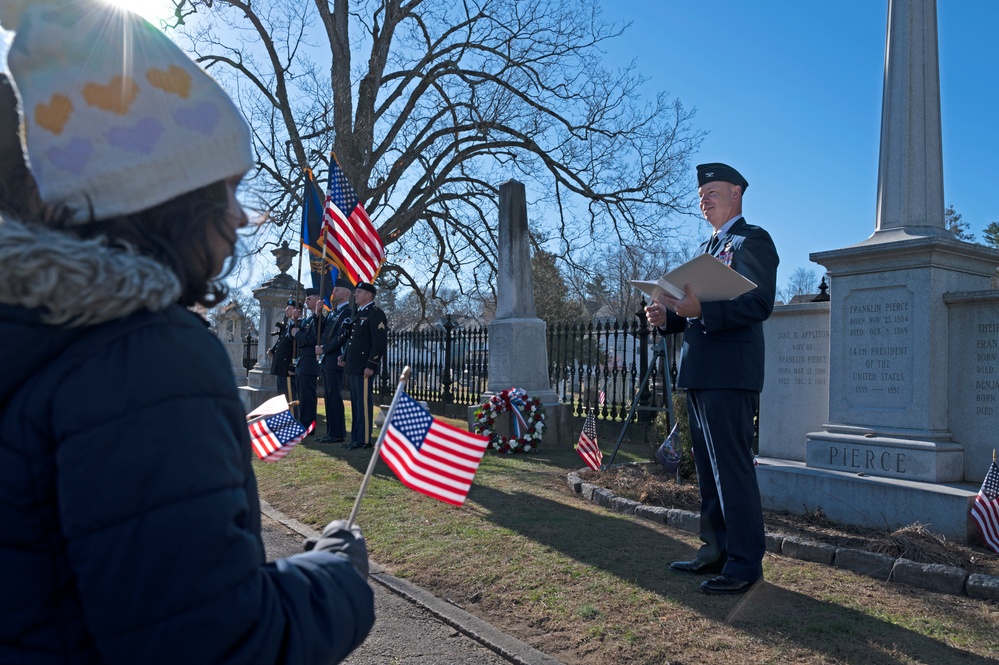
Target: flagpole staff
{"type": "Point", "coordinates": [378, 446]}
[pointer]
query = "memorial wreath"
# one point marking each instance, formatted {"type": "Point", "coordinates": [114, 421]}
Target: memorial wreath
{"type": "Point", "coordinates": [528, 421]}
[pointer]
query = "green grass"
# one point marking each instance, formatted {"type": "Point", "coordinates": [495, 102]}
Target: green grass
{"type": "Point", "coordinates": [590, 586]}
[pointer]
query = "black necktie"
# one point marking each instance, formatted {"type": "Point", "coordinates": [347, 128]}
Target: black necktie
{"type": "Point", "coordinates": [713, 244]}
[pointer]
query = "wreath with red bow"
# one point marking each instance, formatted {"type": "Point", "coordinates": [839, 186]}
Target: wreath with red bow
{"type": "Point", "coordinates": [528, 421]}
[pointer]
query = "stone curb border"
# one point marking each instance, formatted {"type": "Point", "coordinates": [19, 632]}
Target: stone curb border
{"type": "Point", "coordinates": [930, 576]}
{"type": "Point", "coordinates": [485, 634]}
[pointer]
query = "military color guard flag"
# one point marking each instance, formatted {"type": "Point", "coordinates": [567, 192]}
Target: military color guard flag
{"type": "Point", "coordinates": [429, 456]}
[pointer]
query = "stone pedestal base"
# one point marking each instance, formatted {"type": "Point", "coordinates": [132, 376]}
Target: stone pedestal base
{"type": "Point", "coordinates": [867, 501]}
{"type": "Point", "coordinates": [258, 389]}
{"type": "Point", "coordinates": [886, 454]}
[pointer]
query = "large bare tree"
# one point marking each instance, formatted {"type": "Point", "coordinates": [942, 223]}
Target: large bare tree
{"type": "Point", "coordinates": [429, 105]}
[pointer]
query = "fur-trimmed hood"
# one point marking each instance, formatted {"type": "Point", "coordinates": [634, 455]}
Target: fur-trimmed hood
{"type": "Point", "coordinates": [54, 286]}
{"type": "Point", "coordinates": [74, 282]}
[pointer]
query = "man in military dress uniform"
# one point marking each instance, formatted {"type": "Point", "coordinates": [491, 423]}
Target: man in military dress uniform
{"type": "Point", "coordinates": [306, 333]}
{"type": "Point", "coordinates": [362, 359]}
{"type": "Point", "coordinates": [282, 352]}
{"type": "Point", "coordinates": [721, 366]}
{"type": "Point", "coordinates": [334, 336]}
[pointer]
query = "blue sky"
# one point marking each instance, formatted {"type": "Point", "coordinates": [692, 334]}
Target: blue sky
{"type": "Point", "coordinates": [789, 92]}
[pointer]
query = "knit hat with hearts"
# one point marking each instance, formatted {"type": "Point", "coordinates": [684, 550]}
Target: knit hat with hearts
{"type": "Point", "coordinates": [117, 119]}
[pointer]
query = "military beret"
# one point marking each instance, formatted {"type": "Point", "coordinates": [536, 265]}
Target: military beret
{"type": "Point", "coordinates": [716, 171]}
{"type": "Point", "coordinates": [294, 303]}
{"type": "Point", "coordinates": [344, 283]}
{"type": "Point", "coordinates": [311, 292]}
{"type": "Point", "coordinates": [364, 286]}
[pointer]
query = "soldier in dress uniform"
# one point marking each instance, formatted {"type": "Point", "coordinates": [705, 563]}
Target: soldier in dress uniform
{"type": "Point", "coordinates": [721, 367]}
{"type": "Point", "coordinates": [282, 352]}
{"type": "Point", "coordinates": [334, 336]}
{"type": "Point", "coordinates": [362, 360]}
{"type": "Point", "coordinates": [305, 333]}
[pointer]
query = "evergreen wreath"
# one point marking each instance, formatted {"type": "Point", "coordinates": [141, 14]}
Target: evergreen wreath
{"type": "Point", "coordinates": [528, 421]}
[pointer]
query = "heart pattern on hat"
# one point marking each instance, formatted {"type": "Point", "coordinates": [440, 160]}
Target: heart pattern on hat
{"type": "Point", "coordinates": [174, 80]}
{"type": "Point", "coordinates": [54, 115]}
{"type": "Point", "coordinates": [201, 118]}
{"type": "Point", "coordinates": [115, 96]}
{"type": "Point", "coordinates": [140, 138]}
{"type": "Point", "coordinates": [72, 157]}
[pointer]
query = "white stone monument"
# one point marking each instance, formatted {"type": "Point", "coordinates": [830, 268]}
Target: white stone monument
{"type": "Point", "coordinates": [518, 349]}
{"type": "Point", "coordinates": [887, 456]}
{"type": "Point", "coordinates": [273, 296]}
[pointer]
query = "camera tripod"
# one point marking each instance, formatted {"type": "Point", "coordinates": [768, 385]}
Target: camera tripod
{"type": "Point", "coordinates": [658, 354]}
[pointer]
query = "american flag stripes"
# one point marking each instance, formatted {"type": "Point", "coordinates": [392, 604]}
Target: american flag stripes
{"type": "Point", "coordinates": [986, 508]}
{"type": "Point", "coordinates": [273, 430]}
{"type": "Point", "coordinates": [587, 445]}
{"type": "Point", "coordinates": [429, 456]}
{"type": "Point", "coordinates": [351, 238]}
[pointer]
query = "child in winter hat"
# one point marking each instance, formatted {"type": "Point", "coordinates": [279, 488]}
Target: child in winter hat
{"type": "Point", "coordinates": [117, 119]}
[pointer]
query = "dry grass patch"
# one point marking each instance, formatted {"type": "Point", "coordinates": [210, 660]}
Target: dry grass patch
{"type": "Point", "coordinates": [592, 587]}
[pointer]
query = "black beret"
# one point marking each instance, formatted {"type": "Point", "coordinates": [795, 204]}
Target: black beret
{"type": "Point", "coordinates": [311, 292]}
{"type": "Point", "coordinates": [344, 283]}
{"type": "Point", "coordinates": [294, 303]}
{"type": "Point", "coordinates": [716, 171]}
{"type": "Point", "coordinates": [364, 286]}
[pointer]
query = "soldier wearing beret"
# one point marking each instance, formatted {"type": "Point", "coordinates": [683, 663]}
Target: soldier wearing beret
{"type": "Point", "coordinates": [333, 340]}
{"type": "Point", "coordinates": [362, 359]}
{"type": "Point", "coordinates": [721, 367]}
{"type": "Point", "coordinates": [306, 334]}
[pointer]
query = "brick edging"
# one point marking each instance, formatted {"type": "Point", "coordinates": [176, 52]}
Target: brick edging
{"type": "Point", "coordinates": [929, 576]}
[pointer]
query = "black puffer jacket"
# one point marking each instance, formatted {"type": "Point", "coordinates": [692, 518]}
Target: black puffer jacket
{"type": "Point", "coordinates": [129, 516]}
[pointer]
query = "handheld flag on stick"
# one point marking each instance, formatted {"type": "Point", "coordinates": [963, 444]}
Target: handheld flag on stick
{"type": "Point", "coordinates": [986, 507]}
{"type": "Point", "coordinates": [587, 445]}
{"type": "Point", "coordinates": [351, 238]}
{"type": "Point", "coordinates": [273, 430]}
{"type": "Point", "coordinates": [671, 452]}
{"type": "Point", "coordinates": [427, 455]}
{"type": "Point", "coordinates": [322, 266]}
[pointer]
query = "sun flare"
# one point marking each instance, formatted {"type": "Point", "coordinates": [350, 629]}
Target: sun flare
{"type": "Point", "coordinates": [153, 11]}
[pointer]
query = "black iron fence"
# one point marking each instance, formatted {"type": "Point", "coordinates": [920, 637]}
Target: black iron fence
{"type": "Point", "coordinates": [597, 365]}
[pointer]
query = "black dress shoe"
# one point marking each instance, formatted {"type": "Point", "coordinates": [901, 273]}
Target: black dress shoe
{"type": "Point", "coordinates": [725, 584]}
{"type": "Point", "coordinates": [697, 567]}
{"type": "Point", "coordinates": [355, 446]}
{"type": "Point", "coordinates": [325, 439]}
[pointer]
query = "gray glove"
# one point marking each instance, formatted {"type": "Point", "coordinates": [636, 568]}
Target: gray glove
{"type": "Point", "coordinates": [336, 538]}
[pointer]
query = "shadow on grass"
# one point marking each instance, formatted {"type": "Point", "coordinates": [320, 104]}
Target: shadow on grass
{"type": "Point", "coordinates": [640, 554]}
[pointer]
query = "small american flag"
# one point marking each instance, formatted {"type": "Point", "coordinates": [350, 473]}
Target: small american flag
{"type": "Point", "coordinates": [986, 508]}
{"type": "Point", "coordinates": [273, 430]}
{"type": "Point", "coordinates": [429, 456]}
{"type": "Point", "coordinates": [601, 398]}
{"type": "Point", "coordinates": [587, 445]}
{"type": "Point", "coordinates": [350, 236]}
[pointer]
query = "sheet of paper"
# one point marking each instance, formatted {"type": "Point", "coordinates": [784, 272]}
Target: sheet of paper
{"type": "Point", "coordinates": [709, 278]}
